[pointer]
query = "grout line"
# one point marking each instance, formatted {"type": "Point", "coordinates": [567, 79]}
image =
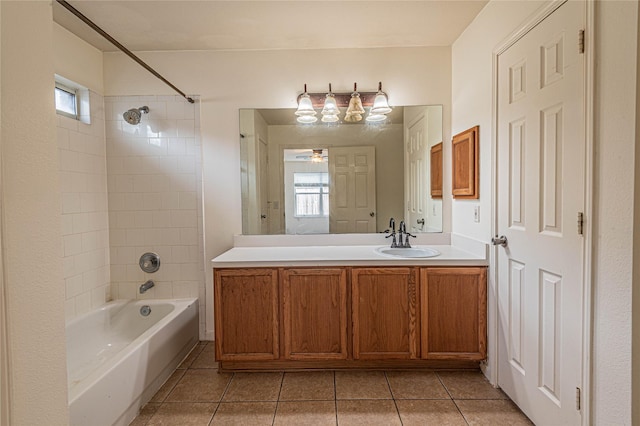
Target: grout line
{"type": "Point", "coordinates": [444, 386]}
{"type": "Point", "coordinates": [393, 397]}
{"type": "Point", "coordinates": [278, 399]}
{"type": "Point", "coordinates": [450, 396]}
{"type": "Point", "coordinates": [460, 411]}
{"type": "Point", "coordinates": [226, 388]}
{"type": "Point", "coordinates": [335, 395]}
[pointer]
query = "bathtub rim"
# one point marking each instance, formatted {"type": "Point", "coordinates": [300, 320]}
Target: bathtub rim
{"type": "Point", "coordinates": [180, 305]}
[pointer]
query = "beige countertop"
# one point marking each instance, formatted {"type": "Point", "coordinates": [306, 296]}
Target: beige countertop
{"type": "Point", "coordinates": [340, 255]}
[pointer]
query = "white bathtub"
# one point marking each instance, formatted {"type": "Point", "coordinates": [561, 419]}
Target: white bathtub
{"type": "Point", "coordinates": [117, 359]}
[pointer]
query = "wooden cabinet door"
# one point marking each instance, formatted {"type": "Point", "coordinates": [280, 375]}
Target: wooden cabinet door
{"type": "Point", "coordinates": [314, 310]}
{"type": "Point", "coordinates": [384, 313]}
{"type": "Point", "coordinates": [453, 309]}
{"type": "Point", "coordinates": [465, 158]}
{"type": "Point", "coordinates": [246, 314]}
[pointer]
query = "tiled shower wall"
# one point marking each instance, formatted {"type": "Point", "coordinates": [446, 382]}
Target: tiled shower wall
{"type": "Point", "coordinates": [85, 222]}
{"type": "Point", "coordinates": [155, 197]}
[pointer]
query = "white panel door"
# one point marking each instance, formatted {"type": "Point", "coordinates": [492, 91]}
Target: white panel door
{"type": "Point", "coordinates": [416, 178]}
{"type": "Point", "coordinates": [352, 189]}
{"type": "Point", "coordinates": [540, 175]}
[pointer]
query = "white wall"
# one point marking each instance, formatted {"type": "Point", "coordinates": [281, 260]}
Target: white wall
{"type": "Point", "coordinates": [635, 327]}
{"type": "Point", "coordinates": [616, 72]}
{"type": "Point", "coordinates": [34, 287]}
{"type": "Point", "coordinates": [155, 204]}
{"type": "Point", "coordinates": [228, 81]}
{"type": "Point", "coordinates": [616, 27]}
{"type": "Point", "coordinates": [77, 60]}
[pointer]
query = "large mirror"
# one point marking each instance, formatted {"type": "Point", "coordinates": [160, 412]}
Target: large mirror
{"type": "Point", "coordinates": [340, 177]}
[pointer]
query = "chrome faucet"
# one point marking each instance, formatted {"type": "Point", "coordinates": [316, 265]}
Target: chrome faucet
{"type": "Point", "coordinates": [392, 225]}
{"type": "Point", "coordinates": [146, 286]}
{"type": "Point", "coordinates": [403, 230]}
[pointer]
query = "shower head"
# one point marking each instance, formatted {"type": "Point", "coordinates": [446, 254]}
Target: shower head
{"type": "Point", "coordinates": [133, 115]}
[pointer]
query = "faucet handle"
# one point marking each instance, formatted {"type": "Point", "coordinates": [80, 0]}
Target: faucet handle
{"type": "Point", "coordinates": [406, 239]}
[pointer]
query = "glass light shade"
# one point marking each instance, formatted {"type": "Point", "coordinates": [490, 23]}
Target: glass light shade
{"type": "Point", "coordinates": [375, 118]}
{"type": "Point", "coordinates": [305, 107]}
{"type": "Point", "coordinates": [330, 118]}
{"type": "Point", "coordinates": [330, 105]}
{"type": "Point", "coordinates": [353, 118]}
{"type": "Point", "coordinates": [380, 104]}
{"type": "Point", "coordinates": [307, 119]}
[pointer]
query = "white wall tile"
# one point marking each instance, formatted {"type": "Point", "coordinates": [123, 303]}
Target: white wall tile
{"type": "Point", "coordinates": [83, 303]}
{"type": "Point", "coordinates": [154, 197]}
{"type": "Point", "coordinates": [84, 221]}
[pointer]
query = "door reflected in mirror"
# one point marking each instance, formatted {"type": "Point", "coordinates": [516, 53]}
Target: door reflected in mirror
{"type": "Point", "coordinates": [338, 178]}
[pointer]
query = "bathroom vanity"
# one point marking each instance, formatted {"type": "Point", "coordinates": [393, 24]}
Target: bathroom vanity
{"type": "Point", "coordinates": [283, 307]}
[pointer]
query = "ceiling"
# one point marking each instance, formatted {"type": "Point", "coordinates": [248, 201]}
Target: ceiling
{"type": "Point", "coordinates": [268, 25]}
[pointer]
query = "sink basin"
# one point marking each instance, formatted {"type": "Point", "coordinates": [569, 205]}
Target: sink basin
{"type": "Point", "coordinates": [413, 252]}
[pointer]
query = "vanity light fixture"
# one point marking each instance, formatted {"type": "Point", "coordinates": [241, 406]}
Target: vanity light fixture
{"type": "Point", "coordinates": [330, 110]}
{"type": "Point", "coordinates": [330, 103]}
{"type": "Point", "coordinates": [380, 107]}
{"type": "Point", "coordinates": [305, 112]}
{"type": "Point", "coordinates": [355, 111]}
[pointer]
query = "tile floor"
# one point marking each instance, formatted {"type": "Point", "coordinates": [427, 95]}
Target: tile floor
{"type": "Point", "coordinates": [196, 394]}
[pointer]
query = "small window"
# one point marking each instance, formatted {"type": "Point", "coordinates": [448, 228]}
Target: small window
{"type": "Point", "coordinates": [311, 194]}
{"type": "Point", "coordinates": [66, 101]}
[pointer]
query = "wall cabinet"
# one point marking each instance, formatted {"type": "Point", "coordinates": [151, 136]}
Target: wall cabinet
{"type": "Point", "coordinates": [453, 308]}
{"type": "Point", "coordinates": [338, 317]}
{"type": "Point", "coordinates": [384, 313]}
{"type": "Point", "coordinates": [314, 310]}
{"type": "Point", "coordinates": [465, 158]}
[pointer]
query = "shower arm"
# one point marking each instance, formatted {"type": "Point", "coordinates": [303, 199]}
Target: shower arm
{"type": "Point", "coordinates": [117, 44]}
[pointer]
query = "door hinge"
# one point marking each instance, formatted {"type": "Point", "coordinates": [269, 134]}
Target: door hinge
{"type": "Point", "coordinates": [578, 399]}
{"type": "Point", "coordinates": [580, 223]}
{"type": "Point", "coordinates": [581, 41]}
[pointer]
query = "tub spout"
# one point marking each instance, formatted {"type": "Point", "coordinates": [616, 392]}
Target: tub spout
{"type": "Point", "coordinates": [146, 286]}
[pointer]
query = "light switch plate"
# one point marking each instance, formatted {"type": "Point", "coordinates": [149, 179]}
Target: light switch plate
{"type": "Point", "coordinates": [476, 214]}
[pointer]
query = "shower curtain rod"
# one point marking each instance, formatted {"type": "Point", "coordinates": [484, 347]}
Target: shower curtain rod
{"type": "Point", "coordinates": [117, 44]}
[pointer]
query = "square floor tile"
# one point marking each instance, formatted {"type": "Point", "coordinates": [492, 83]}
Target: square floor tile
{"type": "Point", "coordinates": [200, 385]}
{"type": "Point", "coordinates": [429, 412]}
{"type": "Point", "coordinates": [245, 413]}
{"type": "Point", "coordinates": [315, 385]}
{"type": "Point", "coordinates": [206, 358]}
{"type": "Point", "coordinates": [416, 385]}
{"type": "Point", "coordinates": [469, 385]}
{"type": "Point", "coordinates": [306, 413]}
{"type": "Point", "coordinates": [492, 412]}
{"type": "Point", "coordinates": [367, 412]}
{"type": "Point", "coordinates": [186, 363]}
{"type": "Point", "coordinates": [145, 414]}
{"type": "Point", "coordinates": [183, 414]}
{"type": "Point", "coordinates": [362, 385]}
{"type": "Point", "coordinates": [168, 386]}
{"type": "Point", "coordinates": [254, 387]}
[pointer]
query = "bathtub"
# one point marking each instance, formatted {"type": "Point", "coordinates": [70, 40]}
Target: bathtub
{"type": "Point", "coordinates": [117, 358]}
